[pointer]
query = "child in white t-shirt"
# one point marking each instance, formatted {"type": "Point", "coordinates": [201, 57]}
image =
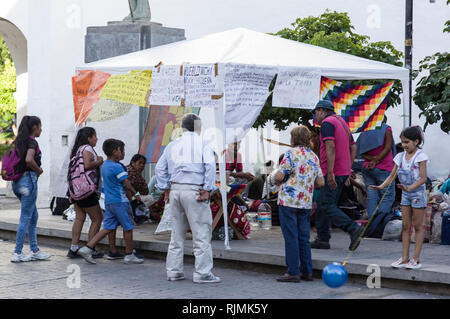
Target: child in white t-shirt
{"type": "Point", "coordinates": [411, 167]}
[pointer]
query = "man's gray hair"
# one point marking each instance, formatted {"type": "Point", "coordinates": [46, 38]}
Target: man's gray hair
{"type": "Point", "coordinates": [191, 122]}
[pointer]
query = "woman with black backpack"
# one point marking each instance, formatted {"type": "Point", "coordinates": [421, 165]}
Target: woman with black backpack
{"type": "Point", "coordinates": [26, 188]}
{"type": "Point", "coordinates": [83, 153]}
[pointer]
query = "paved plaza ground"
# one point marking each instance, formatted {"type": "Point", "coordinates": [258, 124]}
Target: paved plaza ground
{"type": "Point", "coordinates": [259, 259]}
{"type": "Point", "coordinates": [114, 279]}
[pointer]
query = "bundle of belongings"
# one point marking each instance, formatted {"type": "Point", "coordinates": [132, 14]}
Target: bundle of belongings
{"type": "Point", "coordinates": [237, 212]}
{"type": "Point", "coordinates": [439, 203]}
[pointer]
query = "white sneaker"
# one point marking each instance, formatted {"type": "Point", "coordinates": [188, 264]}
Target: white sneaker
{"type": "Point", "coordinates": [86, 253]}
{"type": "Point", "coordinates": [133, 259]}
{"type": "Point", "coordinates": [414, 264]}
{"type": "Point", "coordinates": [399, 263]}
{"type": "Point", "coordinates": [39, 255]}
{"type": "Point", "coordinates": [16, 258]}
{"type": "Point", "coordinates": [206, 279]}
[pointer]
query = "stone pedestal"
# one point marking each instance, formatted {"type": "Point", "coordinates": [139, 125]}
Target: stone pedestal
{"type": "Point", "coordinates": [118, 38]}
{"type": "Point", "coordinates": [121, 37]}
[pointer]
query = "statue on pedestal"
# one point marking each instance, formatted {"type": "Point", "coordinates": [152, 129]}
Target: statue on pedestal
{"type": "Point", "coordinates": [139, 11]}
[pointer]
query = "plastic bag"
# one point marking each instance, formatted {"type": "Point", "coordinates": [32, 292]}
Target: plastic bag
{"type": "Point", "coordinates": [219, 234]}
{"type": "Point", "coordinates": [142, 211]}
{"type": "Point", "coordinates": [69, 214]}
{"type": "Point", "coordinates": [165, 225]}
{"type": "Point", "coordinates": [393, 230]}
{"type": "Point", "coordinates": [436, 228]}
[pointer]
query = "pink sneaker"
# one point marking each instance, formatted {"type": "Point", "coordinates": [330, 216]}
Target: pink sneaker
{"type": "Point", "coordinates": [399, 263]}
{"type": "Point", "coordinates": [414, 264]}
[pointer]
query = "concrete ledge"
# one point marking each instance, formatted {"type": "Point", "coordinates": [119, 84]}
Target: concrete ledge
{"type": "Point", "coordinates": [266, 248]}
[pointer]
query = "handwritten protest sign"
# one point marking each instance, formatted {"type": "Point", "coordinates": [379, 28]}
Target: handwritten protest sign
{"type": "Point", "coordinates": [200, 85]}
{"type": "Point", "coordinates": [167, 86]}
{"type": "Point", "coordinates": [106, 110]}
{"type": "Point", "coordinates": [246, 91]}
{"type": "Point", "coordinates": [297, 88]}
{"type": "Point", "coordinates": [86, 88]}
{"type": "Point", "coordinates": [130, 88]}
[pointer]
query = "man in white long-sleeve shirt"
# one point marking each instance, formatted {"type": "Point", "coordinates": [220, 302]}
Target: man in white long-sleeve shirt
{"type": "Point", "coordinates": [186, 172]}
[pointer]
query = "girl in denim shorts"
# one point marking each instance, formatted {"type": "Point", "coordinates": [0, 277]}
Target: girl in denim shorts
{"type": "Point", "coordinates": [411, 168]}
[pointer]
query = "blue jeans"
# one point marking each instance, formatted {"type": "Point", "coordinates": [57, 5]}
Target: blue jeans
{"type": "Point", "coordinates": [26, 189]}
{"type": "Point", "coordinates": [296, 228]}
{"type": "Point", "coordinates": [329, 213]}
{"type": "Point", "coordinates": [377, 176]}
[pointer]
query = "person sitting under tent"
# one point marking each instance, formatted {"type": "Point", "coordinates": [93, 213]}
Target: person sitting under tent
{"type": "Point", "coordinates": [234, 165]}
{"type": "Point", "coordinates": [445, 188]}
{"type": "Point", "coordinates": [157, 207]}
{"type": "Point", "coordinates": [151, 196]}
{"type": "Point", "coordinates": [135, 169]}
{"type": "Point", "coordinates": [257, 188]}
{"type": "Point", "coordinates": [271, 191]}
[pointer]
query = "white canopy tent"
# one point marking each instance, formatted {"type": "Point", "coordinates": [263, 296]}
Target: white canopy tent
{"type": "Point", "coordinates": [243, 46]}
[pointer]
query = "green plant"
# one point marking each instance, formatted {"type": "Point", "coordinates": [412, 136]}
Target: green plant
{"type": "Point", "coordinates": [8, 105]}
{"type": "Point", "coordinates": [334, 31]}
{"type": "Point", "coordinates": [432, 94]}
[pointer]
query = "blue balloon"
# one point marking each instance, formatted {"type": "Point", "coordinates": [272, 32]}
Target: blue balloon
{"type": "Point", "coordinates": [334, 275]}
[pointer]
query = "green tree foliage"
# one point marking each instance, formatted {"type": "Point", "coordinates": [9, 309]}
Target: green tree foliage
{"type": "Point", "coordinates": [7, 88]}
{"type": "Point", "coordinates": [432, 94]}
{"type": "Point", "coordinates": [4, 54]}
{"type": "Point", "coordinates": [331, 30]}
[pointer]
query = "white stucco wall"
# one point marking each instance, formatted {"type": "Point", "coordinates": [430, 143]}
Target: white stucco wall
{"type": "Point", "coordinates": [55, 33]}
{"type": "Point", "coordinates": [55, 38]}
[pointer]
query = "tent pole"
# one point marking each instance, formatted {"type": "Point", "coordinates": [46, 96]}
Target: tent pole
{"type": "Point", "coordinates": [263, 154]}
{"type": "Point", "coordinates": [408, 51]}
{"type": "Point", "coordinates": [222, 159]}
{"type": "Point", "coordinates": [406, 103]}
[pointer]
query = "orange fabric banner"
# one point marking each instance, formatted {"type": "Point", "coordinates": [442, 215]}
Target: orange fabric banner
{"type": "Point", "coordinates": [86, 88]}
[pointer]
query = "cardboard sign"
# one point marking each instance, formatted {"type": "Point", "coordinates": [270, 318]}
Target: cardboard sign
{"type": "Point", "coordinates": [130, 88]}
{"type": "Point", "coordinates": [86, 88]}
{"type": "Point", "coordinates": [246, 92]}
{"type": "Point", "coordinates": [297, 88]}
{"type": "Point", "coordinates": [201, 85]}
{"type": "Point", "coordinates": [167, 86]}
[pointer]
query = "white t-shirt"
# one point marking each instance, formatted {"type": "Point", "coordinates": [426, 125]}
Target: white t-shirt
{"type": "Point", "coordinates": [407, 164]}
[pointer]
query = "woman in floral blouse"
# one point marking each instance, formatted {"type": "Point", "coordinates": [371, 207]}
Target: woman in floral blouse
{"type": "Point", "coordinates": [298, 174]}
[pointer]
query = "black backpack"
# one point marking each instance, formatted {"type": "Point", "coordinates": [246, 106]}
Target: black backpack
{"type": "Point", "coordinates": [379, 221]}
{"type": "Point", "coordinates": [62, 204]}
